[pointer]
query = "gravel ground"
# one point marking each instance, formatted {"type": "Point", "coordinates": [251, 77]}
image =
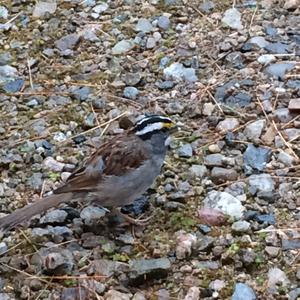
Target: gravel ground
{"type": "Point", "coordinates": [225, 209]}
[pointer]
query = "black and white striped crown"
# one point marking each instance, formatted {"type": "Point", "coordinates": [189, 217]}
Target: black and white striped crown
{"type": "Point", "coordinates": [151, 124]}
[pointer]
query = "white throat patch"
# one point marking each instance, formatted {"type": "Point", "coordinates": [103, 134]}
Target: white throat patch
{"type": "Point", "coordinates": [150, 128]}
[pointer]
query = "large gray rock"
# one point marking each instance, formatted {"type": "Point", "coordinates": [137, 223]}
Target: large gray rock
{"type": "Point", "coordinates": [243, 291]}
{"type": "Point", "coordinates": [142, 270]}
{"type": "Point", "coordinates": [225, 202]}
{"type": "Point", "coordinates": [178, 72]}
{"type": "Point", "coordinates": [261, 183]}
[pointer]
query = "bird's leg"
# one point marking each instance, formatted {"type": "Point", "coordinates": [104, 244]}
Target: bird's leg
{"type": "Point", "coordinates": [138, 222]}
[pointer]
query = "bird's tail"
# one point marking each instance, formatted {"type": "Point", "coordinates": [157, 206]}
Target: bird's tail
{"type": "Point", "coordinates": [26, 213]}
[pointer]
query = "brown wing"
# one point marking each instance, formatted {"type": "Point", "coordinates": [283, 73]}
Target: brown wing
{"type": "Point", "coordinates": [116, 157]}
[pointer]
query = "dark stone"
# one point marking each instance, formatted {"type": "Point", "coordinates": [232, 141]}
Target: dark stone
{"type": "Point", "coordinates": [79, 139]}
{"type": "Point", "coordinates": [247, 47]}
{"type": "Point", "coordinates": [279, 70]}
{"type": "Point", "coordinates": [240, 99]}
{"type": "Point", "coordinates": [270, 30]}
{"type": "Point", "coordinates": [250, 215]}
{"type": "Point", "coordinates": [267, 219]}
{"type": "Point", "coordinates": [291, 244]}
{"type": "Point", "coordinates": [256, 158]}
{"type": "Point", "coordinates": [166, 85]}
{"type": "Point", "coordinates": [293, 84]}
{"type": "Point", "coordinates": [14, 85]}
{"type": "Point", "coordinates": [47, 145]}
{"type": "Point", "coordinates": [143, 270]}
{"type": "Point", "coordinates": [235, 60]}
{"type": "Point", "coordinates": [204, 228]}
{"type": "Point", "coordinates": [138, 207]}
{"type": "Point", "coordinates": [230, 95]}
{"type": "Point", "coordinates": [277, 48]}
{"type": "Point", "coordinates": [81, 93]}
{"type": "Point", "coordinates": [229, 139]}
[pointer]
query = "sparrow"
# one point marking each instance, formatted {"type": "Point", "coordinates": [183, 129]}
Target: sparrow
{"type": "Point", "coordinates": [116, 174]}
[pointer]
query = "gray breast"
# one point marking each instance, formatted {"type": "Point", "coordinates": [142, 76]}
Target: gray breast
{"type": "Point", "coordinates": [118, 191]}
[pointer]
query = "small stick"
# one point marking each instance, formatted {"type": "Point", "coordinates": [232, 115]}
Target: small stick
{"type": "Point", "coordinates": [101, 125]}
{"type": "Point", "coordinates": [29, 72]}
{"type": "Point", "coordinates": [216, 102]}
{"type": "Point", "coordinates": [252, 18]}
{"type": "Point", "coordinates": [13, 18]}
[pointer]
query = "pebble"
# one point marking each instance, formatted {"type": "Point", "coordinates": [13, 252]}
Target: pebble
{"type": "Point", "coordinates": [217, 285]}
{"type": "Point", "coordinates": [166, 85]}
{"type": "Point", "coordinates": [132, 79]}
{"type": "Point", "coordinates": [279, 70]}
{"type": "Point", "coordinates": [14, 85]}
{"type": "Point", "coordinates": [283, 115]}
{"type": "Point", "coordinates": [3, 12]}
{"type": "Point", "coordinates": [261, 183]}
{"type": "Point", "coordinates": [272, 251]}
{"type": "Point", "coordinates": [185, 151]}
{"type": "Point", "coordinates": [142, 270]}
{"type": "Point", "coordinates": [277, 277]}
{"type": "Point", "coordinates": [185, 242]}
{"type": "Point", "coordinates": [5, 58]}
{"type": "Point", "coordinates": [221, 175]}
{"type": "Point", "coordinates": [67, 42]}
{"type": "Point", "coordinates": [59, 137]}
{"type": "Point", "coordinates": [294, 105]}
{"type": "Point", "coordinates": [260, 41]}
{"type": "Point", "coordinates": [54, 216]}
{"type": "Point", "coordinates": [199, 171]}
{"type": "Point", "coordinates": [207, 6]}
{"type": "Point", "coordinates": [151, 43]}
{"type": "Point", "coordinates": [287, 159]}
{"type": "Point", "coordinates": [174, 107]}
{"type": "Point", "coordinates": [277, 48]}
{"type": "Point", "coordinates": [116, 295]}
{"type": "Point", "coordinates": [232, 18]}
{"type": "Point", "coordinates": [267, 219]}
{"type": "Point", "coordinates": [253, 130]}
{"type": "Point", "coordinates": [99, 9]}
{"type": "Point", "coordinates": [81, 93]}
{"type": "Point", "coordinates": [144, 25]}
{"type": "Point", "coordinates": [240, 226]}
{"type": "Point", "coordinates": [193, 293]}
{"type": "Point", "coordinates": [213, 160]}
{"type": "Point", "coordinates": [131, 92]}
{"type": "Point", "coordinates": [89, 120]}
{"type": "Point", "coordinates": [122, 47]}
{"type": "Point", "coordinates": [290, 244]}
{"type": "Point", "coordinates": [225, 202]}
{"type": "Point", "coordinates": [92, 214]}
{"type": "Point", "coordinates": [6, 72]}
{"type": "Point", "coordinates": [43, 7]}
{"type": "Point", "coordinates": [243, 291]}
{"type": "Point", "coordinates": [265, 59]}
{"type": "Point", "coordinates": [3, 247]}
{"type": "Point", "coordinates": [228, 124]}
{"type": "Point", "coordinates": [177, 71]}
{"type": "Point", "coordinates": [214, 148]}
{"type": "Point", "coordinates": [256, 158]}
{"type": "Point", "coordinates": [51, 164]}
{"type": "Point", "coordinates": [294, 294]}
{"type": "Point", "coordinates": [163, 22]}
{"type": "Point", "coordinates": [208, 109]}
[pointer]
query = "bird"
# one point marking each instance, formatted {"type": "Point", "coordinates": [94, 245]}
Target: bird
{"type": "Point", "coordinates": [116, 174]}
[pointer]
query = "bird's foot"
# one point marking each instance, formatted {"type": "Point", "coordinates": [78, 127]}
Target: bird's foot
{"type": "Point", "coordinates": [130, 220]}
